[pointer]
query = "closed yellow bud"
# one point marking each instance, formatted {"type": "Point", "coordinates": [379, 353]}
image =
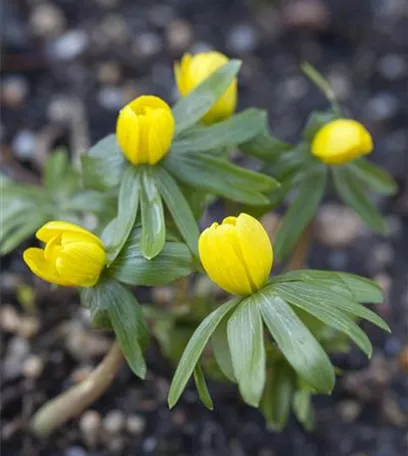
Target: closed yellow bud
{"type": "Point", "coordinates": [341, 141]}
{"type": "Point", "coordinates": [145, 129]}
{"type": "Point", "coordinates": [72, 256]}
{"type": "Point", "coordinates": [192, 70]}
{"type": "Point", "coordinates": [237, 255]}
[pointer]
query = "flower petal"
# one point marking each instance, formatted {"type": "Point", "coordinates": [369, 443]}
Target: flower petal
{"type": "Point", "coordinates": [161, 131]}
{"type": "Point", "coordinates": [256, 248]}
{"type": "Point", "coordinates": [35, 260]}
{"type": "Point", "coordinates": [81, 263]}
{"type": "Point", "coordinates": [56, 227]}
{"type": "Point", "coordinates": [128, 133]}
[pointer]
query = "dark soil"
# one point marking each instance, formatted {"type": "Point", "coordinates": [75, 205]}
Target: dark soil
{"type": "Point", "coordinates": [67, 69]}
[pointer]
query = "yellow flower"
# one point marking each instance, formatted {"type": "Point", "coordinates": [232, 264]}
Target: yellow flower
{"type": "Point", "coordinates": [192, 70]}
{"type": "Point", "coordinates": [237, 255]}
{"type": "Point", "coordinates": [72, 255]}
{"type": "Point", "coordinates": [145, 129]}
{"type": "Point", "coordinates": [341, 141]}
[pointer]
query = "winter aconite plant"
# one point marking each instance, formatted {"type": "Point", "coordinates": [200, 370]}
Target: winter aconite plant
{"type": "Point", "coordinates": [147, 187]}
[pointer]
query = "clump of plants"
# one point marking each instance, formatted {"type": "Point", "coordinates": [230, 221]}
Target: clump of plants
{"type": "Point", "coordinates": [147, 186]}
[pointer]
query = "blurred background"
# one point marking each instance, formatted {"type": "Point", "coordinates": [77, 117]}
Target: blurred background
{"type": "Point", "coordinates": [67, 68]}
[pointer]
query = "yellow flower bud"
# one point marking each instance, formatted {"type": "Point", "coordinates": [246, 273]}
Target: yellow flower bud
{"type": "Point", "coordinates": [72, 256]}
{"type": "Point", "coordinates": [341, 141]}
{"type": "Point", "coordinates": [192, 70]}
{"type": "Point", "coordinates": [237, 255]}
{"type": "Point", "coordinates": [145, 129]}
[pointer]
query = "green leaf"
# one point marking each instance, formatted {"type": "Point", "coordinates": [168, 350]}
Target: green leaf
{"type": "Point", "coordinates": [202, 389]}
{"type": "Point", "coordinates": [55, 168]}
{"type": "Point", "coordinates": [102, 166]}
{"type": "Point", "coordinates": [128, 204]}
{"type": "Point", "coordinates": [191, 108]}
{"type": "Point", "coordinates": [194, 349]}
{"type": "Point", "coordinates": [301, 211]}
{"type": "Point", "coordinates": [316, 121]}
{"type": "Point", "coordinates": [218, 176]}
{"type": "Point", "coordinates": [330, 315]}
{"type": "Point", "coordinates": [302, 406]}
{"type": "Point", "coordinates": [264, 146]}
{"type": "Point", "coordinates": [372, 175]}
{"type": "Point", "coordinates": [296, 342]}
{"type": "Point", "coordinates": [360, 289]}
{"type": "Point", "coordinates": [21, 232]}
{"type": "Point", "coordinates": [321, 83]}
{"type": "Point", "coordinates": [277, 397]}
{"type": "Point", "coordinates": [153, 224]}
{"type": "Point", "coordinates": [235, 130]}
{"type": "Point", "coordinates": [126, 318]}
{"type": "Point", "coordinates": [351, 191]}
{"type": "Point", "coordinates": [221, 350]}
{"type": "Point", "coordinates": [132, 268]}
{"type": "Point", "coordinates": [246, 343]}
{"type": "Point", "coordinates": [322, 296]}
{"type": "Point", "coordinates": [179, 208]}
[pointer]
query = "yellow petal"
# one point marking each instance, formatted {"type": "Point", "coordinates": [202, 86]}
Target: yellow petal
{"type": "Point", "coordinates": [35, 260]}
{"type": "Point", "coordinates": [341, 141]}
{"type": "Point", "coordinates": [128, 133]}
{"type": "Point", "coordinates": [218, 253]}
{"type": "Point", "coordinates": [256, 248]}
{"type": "Point", "coordinates": [81, 263]}
{"type": "Point", "coordinates": [145, 102]}
{"type": "Point", "coordinates": [56, 227]}
{"type": "Point", "coordinates": [161, 133]}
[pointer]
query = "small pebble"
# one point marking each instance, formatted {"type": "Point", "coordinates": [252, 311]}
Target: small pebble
{"type": "Point", "coordinates": [9, 319]}
{"type": "Point", "coordinates": [114, 422]}
{"type": "Point", "coordinates": [337, 225]}
{"type": "Point", "coordinates": [393, 413]}
{"type": "Point", "coordinates": [60, 109]}
{"type": "Point", "coordinates": [381, 256]}
{"type": "Point", "coordinates": [90, 425]}
{"type": "Point", "coordinates": [114, 29]}
{"type": "Point", "coordinates": [18, 348]}
{"type": "Point", "coordinates": [47, 20]}
{"type": "Point", "coordinates": [242, 39]}
{"type": "Point", "coordinates": [349, 410]}
{"type": "Point", "coordinates": [75, 451]}
{"type": "Point", "coordinates": [295, 87]}
{"type": "Point", "coordinates": [111, 98]}
{"type": "Point", "coordinates": [146, 45]}
{"type": "Point", "coordinates": [68, 46]}
{"type": "Point", "coordinates": [109, 73]}
{"type": "Point", "coordinates": [179, 35]}
{"type": "Point", "coordinates": [29, 327]}
{"type": "Point", "coordinates": [392, 346]}
{"type": "Point", "coordinates": [162, 295]}
{"type": "Point", "coordinates": [33, 366]}
{"type": "Point", "coordinates": [135, 424]}
{"type": "Point", "coordinates": [23, 144]}
{"type": "Point", "coordinates": [160, 15]}
{"type": "Point", "coordinates": [116, 444]}
{"type": "Point", "coordinates": [392, 66]}
{"type": "Point", "coordinates": [382, 107]}
{"type": "Point", "coordinates": [311, 14]}
{"type": "Point", "coordinates": [149, 444]}
{"type": "Point", "coordinates": [14, 90]}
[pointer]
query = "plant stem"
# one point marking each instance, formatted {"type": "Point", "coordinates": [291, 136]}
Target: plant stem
{"type": "Point", "coordinates": [71, 403]}
{"type": "Point", "coordinates": [299, 256]}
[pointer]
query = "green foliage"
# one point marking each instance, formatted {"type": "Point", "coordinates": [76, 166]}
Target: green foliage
{"type": "Point", "coordinates": [25, 207]}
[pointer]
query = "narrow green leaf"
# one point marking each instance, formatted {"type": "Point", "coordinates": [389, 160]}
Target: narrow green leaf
{"type": "Point", "coordinates": [202, 389]}
{"type": "Point", "coordinates": [221, 350]}
{"type": "Point", "coordinates": [301, 211]}
{"type": "Point", "coordinates": [153, 224]}
{"type": "Point", "coordinates": [191, 108]}
{"type": "Point", "coordinates": [372, 175]}
{"type": "Point", "coordinates": [318, 294]}
{"type": "Point", "coordinates": [330, 315]}
{"type": "Point", "coordinates": [132, 268]}
{"type": "Point", "coordinates": [21, 232]}
{"type": "Point", "coordinates": [128, 203]}
{"type": "Point", "coordinates": [360, 289]}
{"type": "Point", "coordinates": [302, 406]}
{"type": "Point", "coordinates": [179, 208]}
{"type": "Point", "coordinates": [321, 83]}
{"type": "Point", "coordinates": [103, 164]}
{"type": "Point", "coordinates": [126, 318]}
{"type": "Point", "coordinates": [351, 191]}
{"type": "Point", "coordinates": [194, 348]}
{"type": "Point", "coordinates": [55, 168]}
{"type": "Point", "coordinates": [296, 342]}
{"type": "Point", "coordinates": [264, 146]}
{"type": "Point", "coordinates": [277, 397]}
{"type": "Point", "coordinates": [246, 343]}
{"type": "Point", "coordinates": [218, 176]}
{"type": "Point", "coordinates": [233, 131]}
